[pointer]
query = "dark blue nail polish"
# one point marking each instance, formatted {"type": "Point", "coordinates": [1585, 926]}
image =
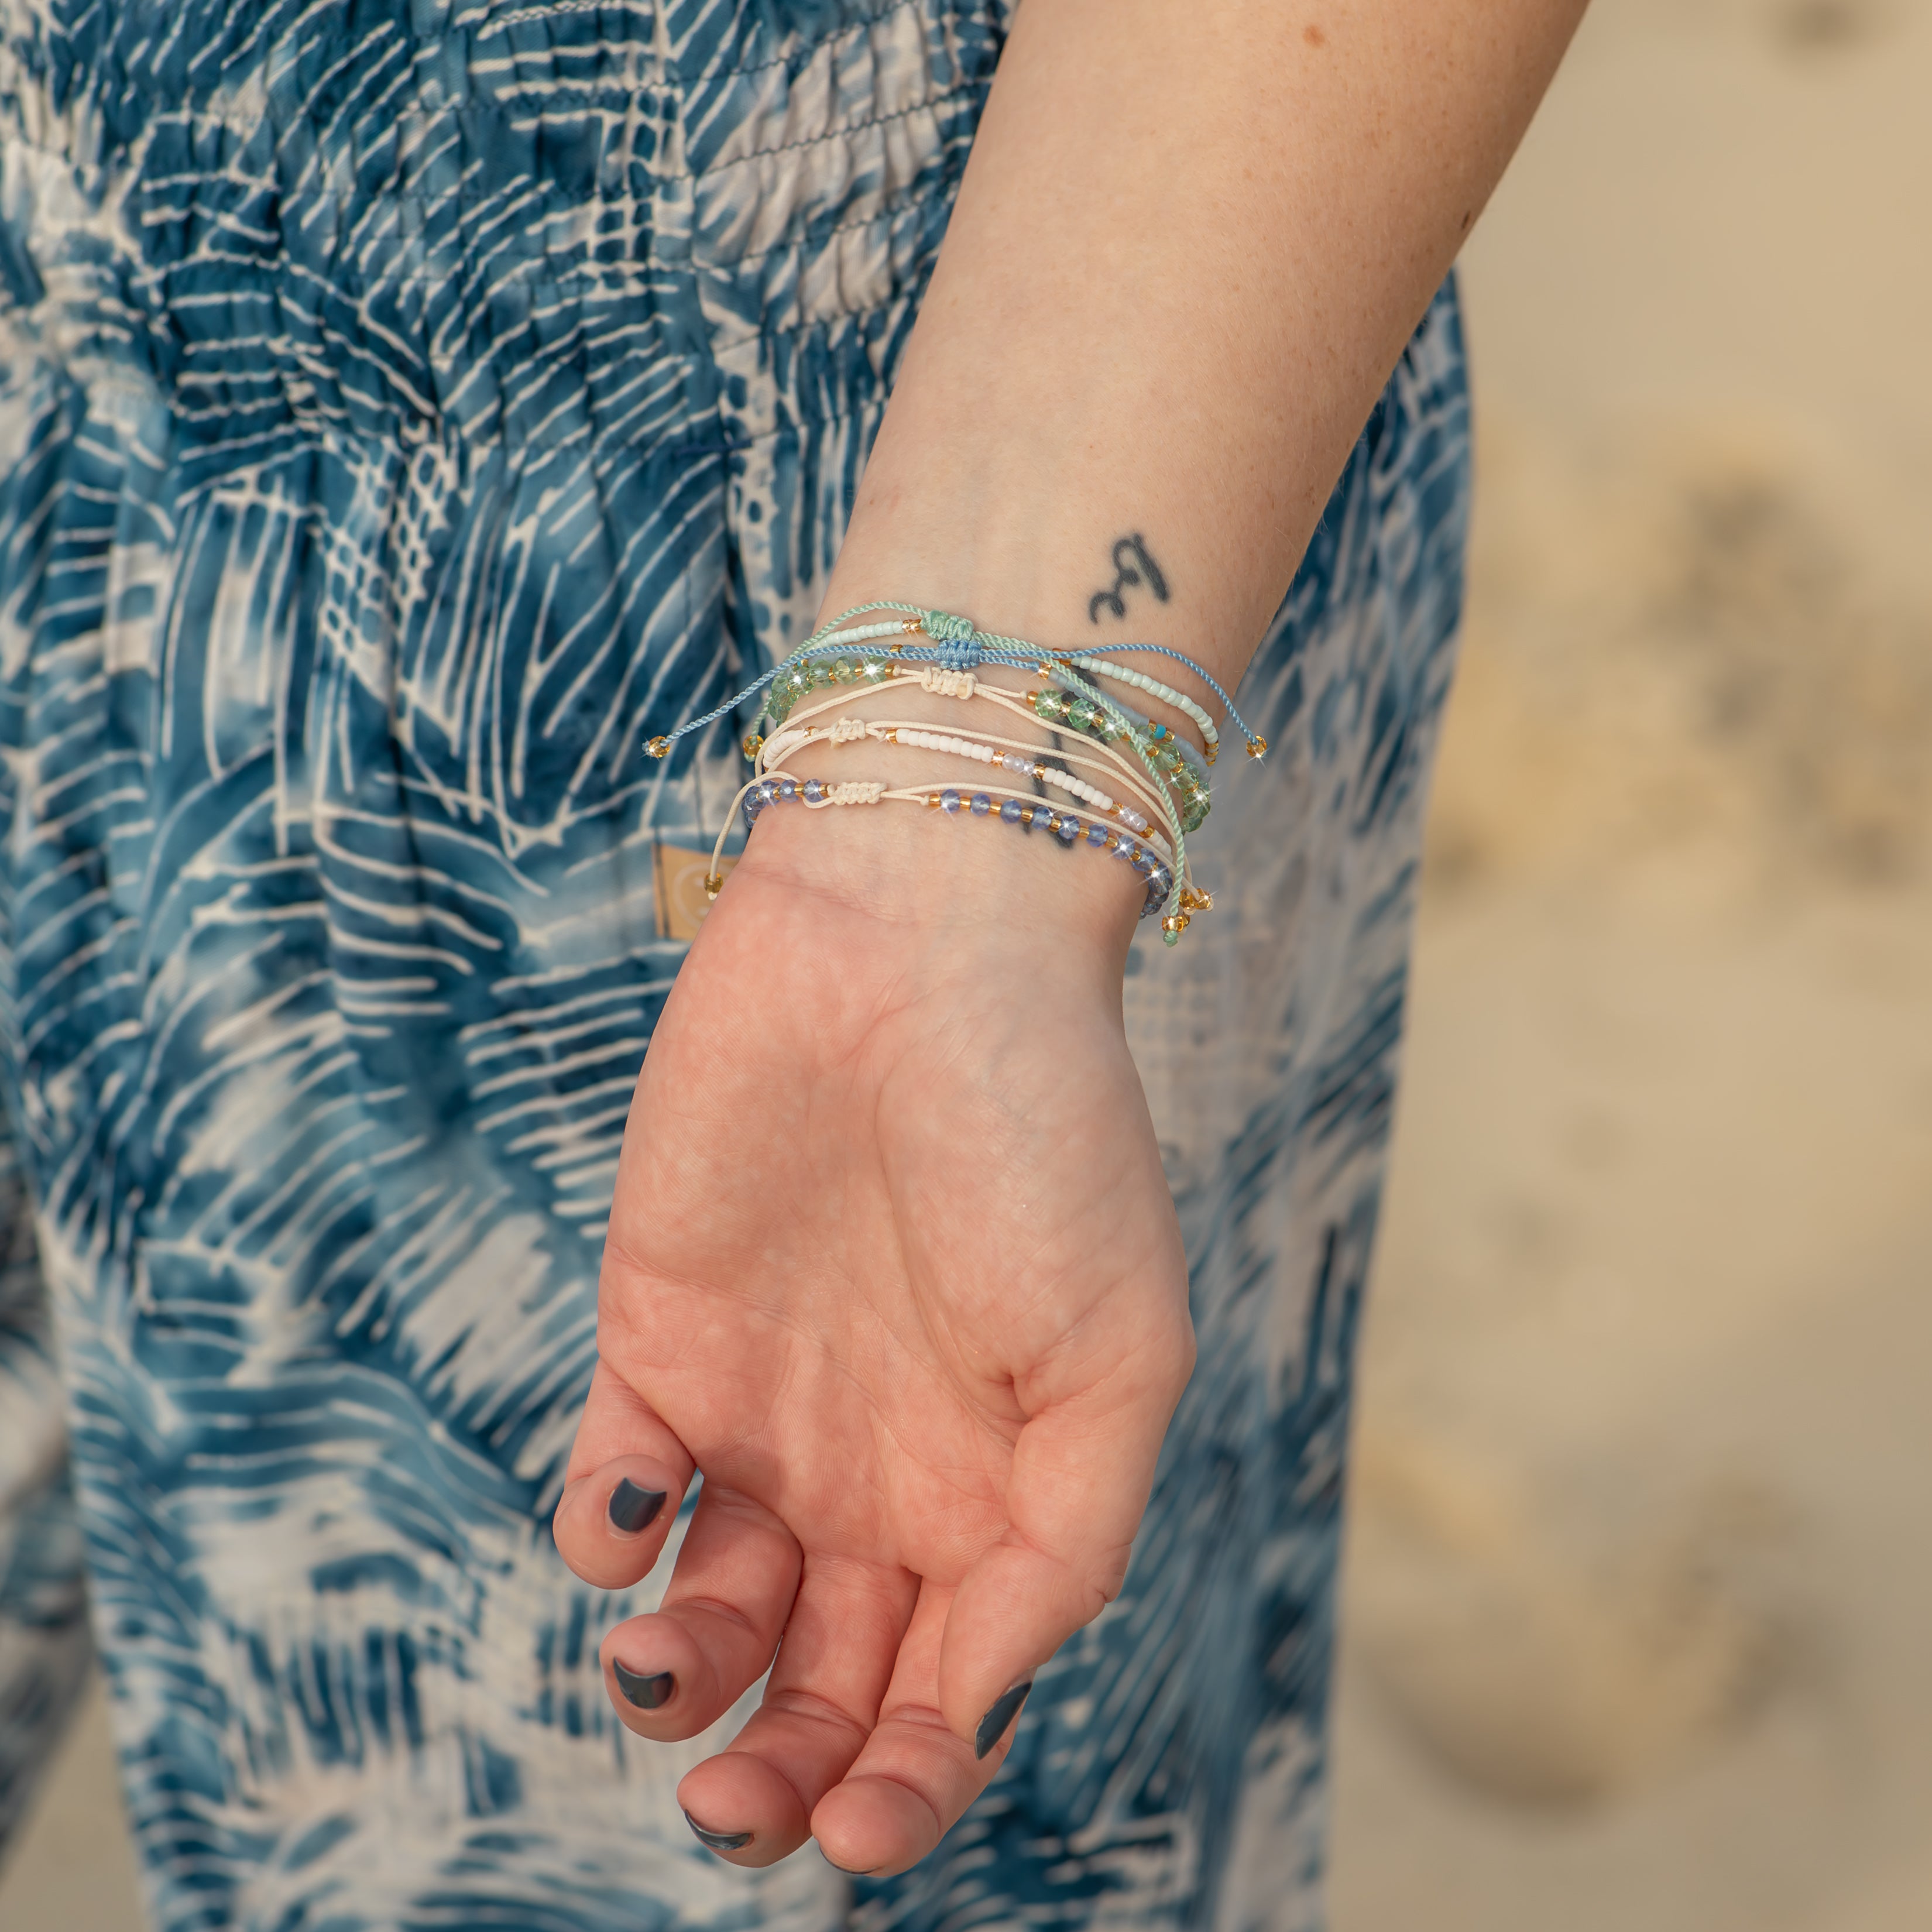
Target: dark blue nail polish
{"type": "Point", "coordinates": [718, 1841]}
{"type": "Point", "coordinates": [993, 1725]}
{"type": "Point", "coordinates": [648, 1690]}
{"type": "Point", "coordinates": [633, 1508]}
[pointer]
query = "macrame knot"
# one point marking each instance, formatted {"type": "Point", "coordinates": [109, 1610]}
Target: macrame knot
{"type": "Point", "coordinates": [959, 642]}
{"type": "Point", "coordinates": [948, 681]}
{"type": "Point", "coordinates": [848, 730]}
{"type": "Point", "coordinates": [865, 791]}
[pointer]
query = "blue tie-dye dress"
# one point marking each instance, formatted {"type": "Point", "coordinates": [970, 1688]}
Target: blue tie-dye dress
{"type": "Point", "coordinates": [406, 406]}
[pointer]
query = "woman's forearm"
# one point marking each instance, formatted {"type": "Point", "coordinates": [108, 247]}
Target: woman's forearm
{"type": "Point", "coordinates": [1192, 240]}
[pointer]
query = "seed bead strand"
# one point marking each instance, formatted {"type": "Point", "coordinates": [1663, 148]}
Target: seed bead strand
{"type": "Point", "coordinates": [1111, 761]}
{"type": "Point", "coordinates": [1125, 727]}
{"type": "Point", "coordinates": [1020, 809]}
{"type": "Point", "coordinates": [989, 749]}
{"type": "Point", "coordinates": [1150, 742]}
{"type": "Point", "coordinates": [1165, 694]}
{"type": "Point", "coordinates": [779, 750]}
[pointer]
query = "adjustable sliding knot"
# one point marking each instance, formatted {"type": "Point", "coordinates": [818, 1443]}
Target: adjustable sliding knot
{"type": "Point", "coordinates": [948, 680]}
{"type": "Point", "coordinates": [959, 642]}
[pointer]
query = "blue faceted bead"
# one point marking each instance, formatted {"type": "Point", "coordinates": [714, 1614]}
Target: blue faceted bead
{"type": "Point", "coordinates": [949, 800]}
{"type": "Point", "coordinates": [788, 789]}
{"type": "Point", "coordinates": [1097, 835]}
{"type": "Point", "coordinates": [1010, 812]}
{"type": "Point", "coordinates": [814, 791]}
{"type": "Point", "coordinates": [1069, 829]}
{"type": "Point", "coordinates": [981, 804]}
{"type": "Point", "coordinates": [766, 794]}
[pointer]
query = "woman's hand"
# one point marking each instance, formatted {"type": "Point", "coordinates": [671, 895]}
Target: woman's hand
{"type": "Point", "coordinates": [892, 1262]}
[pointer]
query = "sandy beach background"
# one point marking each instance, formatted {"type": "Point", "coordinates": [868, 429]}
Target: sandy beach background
{"type": "Point", "coordinates": [1640, 1575]}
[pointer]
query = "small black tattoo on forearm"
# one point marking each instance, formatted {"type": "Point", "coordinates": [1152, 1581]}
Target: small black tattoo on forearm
{"type": "Point", "coordinates": [1133, 565]}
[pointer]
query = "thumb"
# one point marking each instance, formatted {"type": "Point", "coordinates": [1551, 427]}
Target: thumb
{"type": "Point", "coordinates": [1082, 1468]}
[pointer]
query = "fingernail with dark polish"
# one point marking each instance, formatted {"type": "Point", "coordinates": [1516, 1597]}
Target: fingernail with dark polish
{"type": "Point", "coordinates": [633, 1508]}
{"type": "Point", "coordinates": [993, 1725]}
{"type": "Point", "coordinates": [648, 1690]}
{"type": "Point", "coordinates": [718, 1841]}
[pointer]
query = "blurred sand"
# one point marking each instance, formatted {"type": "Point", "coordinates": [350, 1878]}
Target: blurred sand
{"type": "Point", "coordinates": [1642, 1560]}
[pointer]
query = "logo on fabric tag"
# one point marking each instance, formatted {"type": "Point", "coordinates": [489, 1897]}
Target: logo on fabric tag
{"type": "Point", "coordinates": [679, 877]}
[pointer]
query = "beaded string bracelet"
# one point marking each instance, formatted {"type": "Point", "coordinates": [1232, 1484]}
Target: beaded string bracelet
{"type": "Point", "coordinates": [987, 747]}
{"type": "Point", "coordinates": [1152, 783]}
{"type": "Point", "coordinates": [992, 802]}
{"type": "Point", "coordinates": [1026, 758]}
{"type": "Point", "coordinates": [1073, 696]}
{"type": "Point", "coordinates": [1135, 823]}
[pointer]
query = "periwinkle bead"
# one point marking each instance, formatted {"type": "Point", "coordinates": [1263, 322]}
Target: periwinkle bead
{"type": "Point", "coordinates": [981, 804]}
{"type": "Point", "coordinates": [1144, 863]}
{"type": "Point", "coordinates": [1069, 829]}
{"type": "Point", "coordinates": [1010, 812]}
{"type": "Point", "coordinates": [814, 791]}
{"type": "Point", "coordinates": [1097, 835]}
{"type": "Point", "coordinates": [766, 794]}
{"type": "Point", "coordinates": [788, 789]}
{"type": "Point", "coordinates": [949, 800]}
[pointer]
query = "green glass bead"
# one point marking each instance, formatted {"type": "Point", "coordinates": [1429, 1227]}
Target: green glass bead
{"type": "Point", "coordinates": [877, 671]}
{"type": "Point", "coordinates": [844, 671]}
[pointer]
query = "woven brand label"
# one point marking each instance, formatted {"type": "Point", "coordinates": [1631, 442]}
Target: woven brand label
{"type": "Point", "coordinates": [678, 876]}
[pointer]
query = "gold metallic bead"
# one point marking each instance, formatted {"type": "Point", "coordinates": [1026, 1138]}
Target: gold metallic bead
{"type": "Point", "coordinates": [932, 800]}
{"type": "Point", "coordinates": [658, 748]}
{"type": "Point", "coordinates": [912, 627]}
{"type": "Point", "coordinates": [1191, 900]}
{"type": "Point", "coordinates": [1175, 923]}
{"type": "Point", "coordinates": [754, 745]}
{"type": "Point", "coordinates": [714, 884]}
{"type": "Point", "coordinates": [1257, 748]}
{"type": "Point", "coordinates": [1209, 751]}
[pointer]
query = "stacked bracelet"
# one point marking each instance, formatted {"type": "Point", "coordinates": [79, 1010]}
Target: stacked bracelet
{"type": "Point", "coordinates": [1164, 780]}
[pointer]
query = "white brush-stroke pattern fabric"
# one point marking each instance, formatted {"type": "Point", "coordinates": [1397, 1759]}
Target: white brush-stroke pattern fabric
{"type": "Point", "coordinates": [406, 406]}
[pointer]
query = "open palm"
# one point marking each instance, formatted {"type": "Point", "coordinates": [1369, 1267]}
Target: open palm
{"type": "Point", "coordinates": [892, 1261]}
